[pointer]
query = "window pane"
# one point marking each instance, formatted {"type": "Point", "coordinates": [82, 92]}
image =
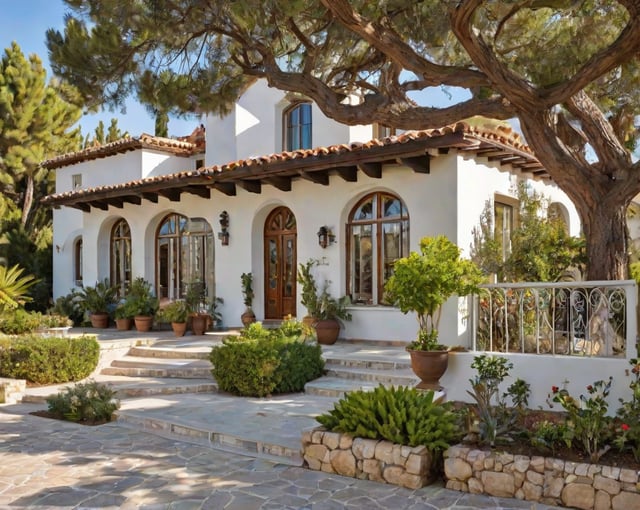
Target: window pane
{"type": "Point", "coordinates": [392, 207]}
{"type": "Point", "coordinates": [364, 212]}
{"type": "Point", "coordinates": [392, 249]}
{"type": "Point", "coordinates": [503, 224]}
{"type": "Point", "coordinates": [362, 263]}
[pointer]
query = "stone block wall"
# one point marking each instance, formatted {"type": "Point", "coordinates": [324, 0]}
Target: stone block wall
{"type": "Point", "coordinates": [542, 479]}
{"type": "Point", "coordinates": [367, 459]}
{"type": "Point", "coordinates": [11, 390]}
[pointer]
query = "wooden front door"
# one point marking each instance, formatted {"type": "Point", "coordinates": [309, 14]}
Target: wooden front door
{"type": "Point", "coordinates": [280, 263]}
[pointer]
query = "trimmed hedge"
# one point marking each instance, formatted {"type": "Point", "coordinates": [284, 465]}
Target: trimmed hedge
{"type": "Point", "coordinates": [50, 360]}
{"type": "Point", "coordinates": [260, 364]}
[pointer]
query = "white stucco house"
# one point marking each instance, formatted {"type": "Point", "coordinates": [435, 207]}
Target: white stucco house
{"type": "Point", "coordinates": [252, 191]}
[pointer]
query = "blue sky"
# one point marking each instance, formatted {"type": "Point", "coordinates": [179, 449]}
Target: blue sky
{"type": "Point", "coordinates": [26, 21]}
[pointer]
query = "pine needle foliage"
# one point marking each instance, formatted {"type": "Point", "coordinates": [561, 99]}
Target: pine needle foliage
{"type": "Point", "coordinates": [400, 414]}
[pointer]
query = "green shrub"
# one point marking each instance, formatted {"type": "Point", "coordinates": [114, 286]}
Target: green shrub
{"type": "Point", "coordinates": [401, 415]}
{"type": "Point", "coordinates": [88, 402]}
{"type": "Point", "coordinates": [262, 362]}
{"type": "Point", "coordinates": [19, 321]}
{"type": "Point", "coordinates": [71, 306]}
{"type": "Point", "coordinates": [50, 360]}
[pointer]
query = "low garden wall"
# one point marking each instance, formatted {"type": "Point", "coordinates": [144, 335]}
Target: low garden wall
{"type": "Point", "coordinates": [367, 459]}
{"type": "Point", "coordinates": [542, 479]}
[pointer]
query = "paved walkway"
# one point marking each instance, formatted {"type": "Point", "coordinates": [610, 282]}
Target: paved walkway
{"type": "Point", "coordinates": [51, 464]}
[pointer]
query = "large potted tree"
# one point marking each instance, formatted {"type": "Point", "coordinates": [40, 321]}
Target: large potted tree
{"type": "Point", "coordinates": [309, 294]}
{"type": "Point", "coordinates": [98, 302]}
{"type": "Point", "coordinates": [422, 283]}
{"type": "Point", "coordinates": [248, 316]}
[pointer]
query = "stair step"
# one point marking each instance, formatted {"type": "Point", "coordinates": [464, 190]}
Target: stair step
{"type": "Point", "coordinates": [336, 387]}
{"type": "Point", "coordinates": [184, 373]}
{"type": "Point", "coordinates": [169, 353]}
{"type": "Point", "coordinates": [404, 377]}
{"type": "Point", "coordinates": [372, 364]}
{"type": "Point", "coordinates": [143, 388]}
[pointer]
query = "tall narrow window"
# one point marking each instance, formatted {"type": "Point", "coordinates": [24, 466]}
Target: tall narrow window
{"type": "Point", "coordinates": [377, 236]}
{"type": "Point", "coordinates": [297, 122]}
{"type": "Point", "coordinates": [76, 181]}
{"type": "Point", "coordinates": [184, 251]}
{"type": "Point", "coordinates": [121, 256]}
{"type": "Point", "coordinates": [504, 209]}
{"type": "Point", "coordinates": [77, 262]}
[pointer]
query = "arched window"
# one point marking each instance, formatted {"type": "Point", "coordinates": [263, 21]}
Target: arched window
{"type": "Point", "coordinates": [77, 262]}
{"type": "Point", "coordinates": [184, 251]}
{"type": "Point", "coordinates": [121, 256]}
{"type": "Point", "coordinates": [377, 236]}
{"type": "Point", "coordinates": [297, 127]}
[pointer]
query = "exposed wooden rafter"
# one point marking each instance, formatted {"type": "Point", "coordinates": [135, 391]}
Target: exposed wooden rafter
{"type": "Point", "coordinates": [348, 173]}
{"type": "Point", "coordinates": [282, 183]}
{"type": "Point", "coordinates": [251, 186]}
{"type": "Point", "coordinates": [373, 170]}
{"type": "Point", "coordinates": [419, 164]}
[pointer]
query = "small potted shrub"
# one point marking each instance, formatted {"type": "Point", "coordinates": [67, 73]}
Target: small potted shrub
{"type": "Point", "coordinates": [123, 316]}
{"type": "Point", "coordinates": [98, 301]}
{"type": "Point", "coordinates": [196, 299]}
{"type": "Point", "coordinates": [422, 283]}
{"type": "Point", "coordinates": [329, 314]}
{"type": "Point", "coordinates": [309, 295]}
{"type": "Point", "coordinates": [176, 313]}
{"type": "Point", "coordinates": [141, 303]}
{"type": "Point", "coordinates": [247, 295]}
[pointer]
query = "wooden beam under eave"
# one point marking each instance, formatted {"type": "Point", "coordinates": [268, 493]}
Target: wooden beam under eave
{"type": "Point", "coordinates": [172, 194]}
{"type": "Point", "coordinates": [419, 164]}
{"type": "Point", "coordinates": [348, 173]}
{"type": "Point", "coordinates": [373, 170]}
{"type": "Point", "coordinates": [115, 202]}
{"type": "Point", "coordinates": [81, 205]}
{"type": "Point", "coordinates": [200, 191]}
{"type": "Point", "coordinates": [228, 188]}
{"type": "Point", "coordinates": [99, 205]}
{"type": "Point", "coordinates": [319, 177]}
{"type": "Point", "coordinates": [251, 186]}
{"type": "Point", "coordinates": [151, 197]}
{"type": "Point", "coordinates": [133, 199]}
{"type": "Point", "coordinates": [282, 183]}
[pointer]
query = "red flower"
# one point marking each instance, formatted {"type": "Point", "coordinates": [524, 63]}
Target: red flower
{"type": "Point", "coordinates": [589, 388]}
{"type": "Point", "coordinates": [624, 427]}
{"type": "Point", "coordinates": [555, 389]}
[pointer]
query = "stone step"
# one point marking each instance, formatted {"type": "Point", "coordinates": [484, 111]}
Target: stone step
{"type": "Point", "coordinates": [268, 428]}
{"type": "Point", "coordinates": [139, 387]}
{"type": "Point", "coordinates": [365, 363]}
{"type": "Point", "coordinates": [170, 353]}
{"type": "Point", "coordinates": [336, 387]}
{"type": "Point", "coordinates": [133, 366]}
{"type": "Point", "coordinates": [404, 377]}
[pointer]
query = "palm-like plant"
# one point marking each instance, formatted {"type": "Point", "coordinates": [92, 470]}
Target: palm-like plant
{"type": "Point", "coordinates": [14, 287]}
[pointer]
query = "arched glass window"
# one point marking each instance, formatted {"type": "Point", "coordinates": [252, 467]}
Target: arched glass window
{"type": "Point", "coordinates": [121, 256]}
{"type": "Point", "coordinates": [184, 251]}
{"type": "Point", "coordinates": [377, 236]}
{"type": "Point", "coordinates": [297, 122]}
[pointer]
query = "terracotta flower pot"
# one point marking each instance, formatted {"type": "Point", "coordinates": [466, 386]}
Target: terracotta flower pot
{"type": "Point", "coordinates": [179, 328]}
{"type": "Point", "coordinates": [429, 366]}
{"type": "Point", "coordinates": [327, 331]}
{"type": "Point", "coordinates": [199, 323]}
{"type": "Point", "coordinates": [143, 322]}
{"type": "Point", "coordinates": [124, 324]}
{"type": "Point", "coordinates": [100, 320]}
{"type": "Point", "coordinates": [248, 317]}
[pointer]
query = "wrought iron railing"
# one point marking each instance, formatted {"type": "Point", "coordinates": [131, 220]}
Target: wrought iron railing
{"type": "Point", "coordinates": [566, 318]}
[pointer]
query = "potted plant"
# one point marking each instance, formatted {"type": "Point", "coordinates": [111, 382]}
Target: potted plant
{"type": "Point", "coordinates": [196, 298]}
{"type": "Point", "coordinates": [329, 314]}
{"type": "Point", "coordinates": [141, 303]}
{"type": "Point", "coordinates": [123, 316]}
{"type": "Point", "coordinates": [176, 313]}
{"type": "Point", "coordinates": [214, 311]}
{"type": "Point", "coordinates": [422, 283]}
{"type": "Point", "coordinates": [309, 295]}
{"type": "Point", "coordinates": [247, 294]}
{"type": "Point", "coordinates": [97, 301]}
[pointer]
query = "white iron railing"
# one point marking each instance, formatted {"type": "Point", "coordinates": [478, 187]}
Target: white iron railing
{"type": "Point", "coordinates": [565, 318]}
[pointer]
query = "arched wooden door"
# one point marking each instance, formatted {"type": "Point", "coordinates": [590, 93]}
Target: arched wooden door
{"type": "Point", "coordinates": [280, 264]}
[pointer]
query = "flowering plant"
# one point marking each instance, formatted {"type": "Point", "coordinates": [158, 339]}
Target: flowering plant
{"type": "Point", "coordinates": [587, 416]}
{"type": "Point", "coordinates": [629, 430]}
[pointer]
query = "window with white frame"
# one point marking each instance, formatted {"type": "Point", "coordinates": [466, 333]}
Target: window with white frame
{"type": "Point", "coordinates": [76, 181]}
{"type": "Point", "coordinates": [504, 213]}
{"type": "Point", "coordinates": [77, 262]}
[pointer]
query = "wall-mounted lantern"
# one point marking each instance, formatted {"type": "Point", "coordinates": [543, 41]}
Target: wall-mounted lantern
{"type": "Point", "coordinates": [223, 235]}
{"type": "Point", "coordinates": [325, 236]}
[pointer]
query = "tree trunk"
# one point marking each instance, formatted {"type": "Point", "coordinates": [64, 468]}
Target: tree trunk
{"type": "Point", "coordinates": [28, 200]}
{"type": "Point", "coordinates": [605, 230]}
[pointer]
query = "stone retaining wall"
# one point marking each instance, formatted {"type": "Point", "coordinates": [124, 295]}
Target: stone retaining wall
{"type": "Point", "coordinates": [367, 459]}
{"type": "Point", "coordinates": [546, 480]}
{"type": "Point", "coordinates": [11, 390]}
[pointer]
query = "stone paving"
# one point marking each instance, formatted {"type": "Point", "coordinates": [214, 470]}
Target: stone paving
{"type": "Point", "coordinates": [50, 464]}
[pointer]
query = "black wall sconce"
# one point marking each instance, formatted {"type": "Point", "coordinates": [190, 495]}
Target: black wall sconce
{"type": "Point", "coordinates": [325, 236]}
{"type": "Point", "coordinates": [223, 235]}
